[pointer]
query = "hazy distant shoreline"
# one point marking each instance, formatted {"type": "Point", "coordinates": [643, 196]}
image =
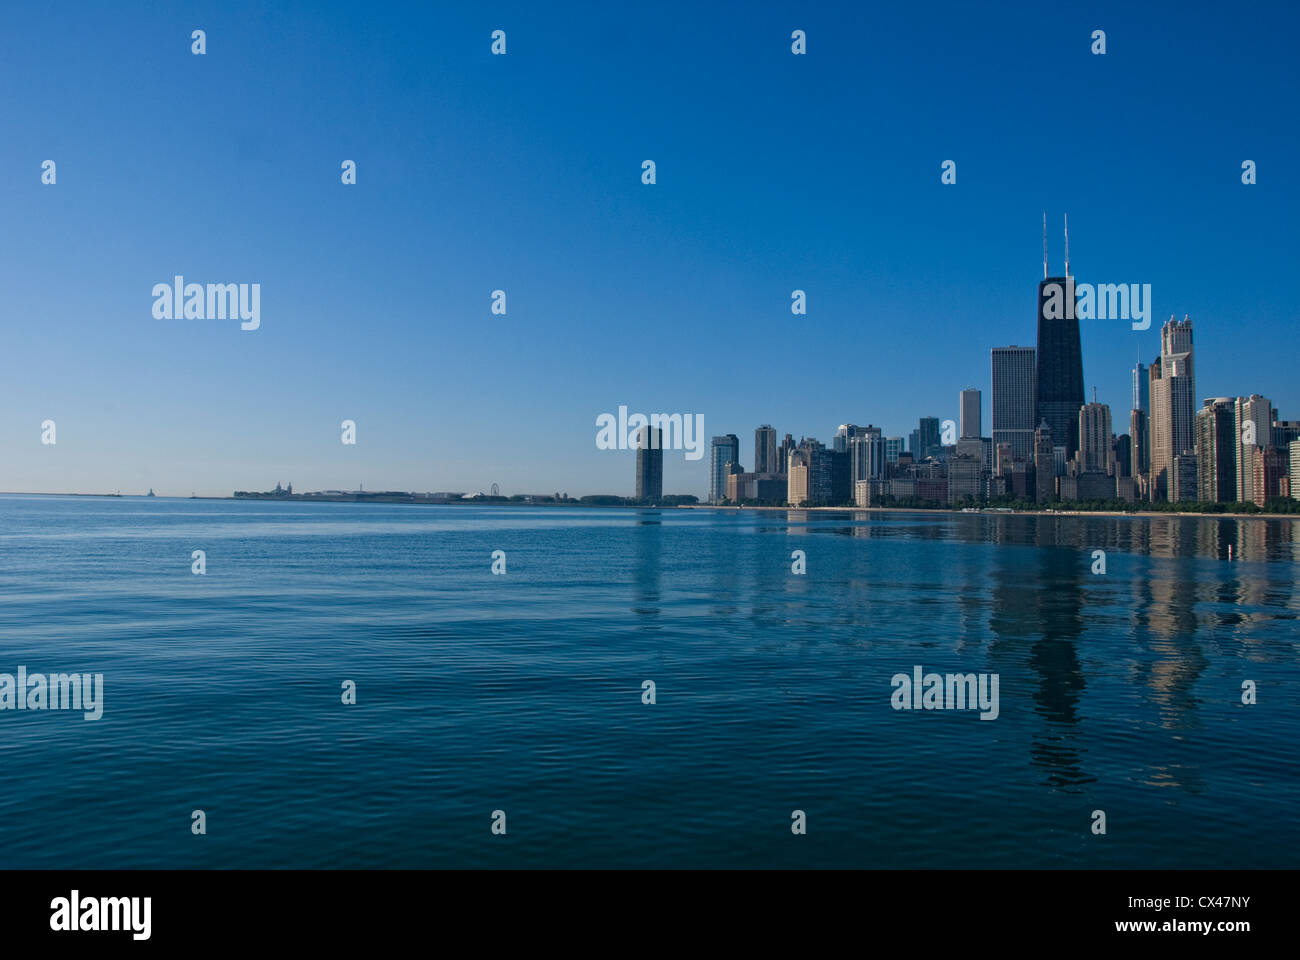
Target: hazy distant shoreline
{"type": "Point", "coordinates": [574, 504]}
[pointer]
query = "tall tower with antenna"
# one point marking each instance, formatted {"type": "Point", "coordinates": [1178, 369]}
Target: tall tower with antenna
{"type": "Point", "coordinates": [1059, 388]}
{"type": "Point", "coordinates": [1044, 244]}
{"type": "Point", "coordinates": [1067, 244]}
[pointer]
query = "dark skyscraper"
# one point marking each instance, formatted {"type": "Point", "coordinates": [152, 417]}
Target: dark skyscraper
{"type": "Point", "coordinates": [1123, 455]}
{"type": "Point", "coordinates": [1216, 450]}
{"type": "Point", "coordinates": [928, 437]}
{"type": "Point", "coordinates": [1044, 463]}
{"type": "Point", "coordinates": [819, 472]}
{"type": "Point", "coordinates": [1059, 392]}
{"type": "Point", "coordinates": [783, 453]}
{"type": "Point", "coordinates": [765, 451]}
{"type": "Point", "coordinates": [970, 414]}
{"type": "Point", "coordinates": [1140, 438]}
{"type": "Point", "coordinates": [841, 487]}
{"type": "Point", "coordinates": [649, 464]}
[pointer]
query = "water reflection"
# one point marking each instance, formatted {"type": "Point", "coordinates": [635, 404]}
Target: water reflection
{"type": "Point", "coordinates": [648, 569]}
{"type": "Point", "coordinates": [1148, 630]}
{"type": "Point", "coordinates": [1037, 618]}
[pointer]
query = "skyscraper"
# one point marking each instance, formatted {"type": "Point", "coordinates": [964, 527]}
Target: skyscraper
{"type": "Point", "coordinates": [1141, 388]}
{"type": "Point", "coordinates": [765, 450]}
{"type": "Point", "coordinates": [809, 468]}
{"type": "Point", "coordinates": [928, 437]}
{"type": "Point", "coordinates": [965, 478]}
{"type": "Point", "coordinates": [1140, 437]}
{"type": "Point", "coordinates": [1216, 450]}
{"type": "Point", "coordinates": [1123, 455]}
{"type": "Point", "coordinates": [1183, 478]}
{"type": "Point", "coordinates": [820, 466]}
{"type": "Point", "coordinates": [1294, 474]}
{"type": "Point", "coordinates": [1270, 467]}
{"type": "Point", "coordinates": [1253, 417]}
{"type": "Point", "coordinates": [867, 455]}
{"type": "Point", "coordinates": [1044, 464]}
{"type": "Point", "coordinates": [1059, 392]}
{"type": "Point", "coordinates": [1095, 451]}
{"type": "Point", "coordinates": [1013, 399]}
{"type": "Point", "coordinates": [970, 414]}
{"type": "Point", "coordinates": [722, 451]}
{"type": "Point", "coordinates": [1176, 338]}
{"type": "Point", "coordinates": [840, 443]}
{"type": "Point", "coordinates": [649, 464]}
{"type": "Point", "coordinates": [783, 454]}
{"type": "Point", "coordinates": [1173, 410]}
{"type": "Point", "coordinates": [1284, 431]}
{"type": "Point", "coordinates": [797, 478]}
{"type": "Point", "coordinates": [841, 487]}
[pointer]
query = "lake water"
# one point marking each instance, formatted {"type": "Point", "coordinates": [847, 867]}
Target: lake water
{"type": "Point", "coordinates": [522, 692]}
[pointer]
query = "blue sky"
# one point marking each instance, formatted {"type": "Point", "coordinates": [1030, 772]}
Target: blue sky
{"type": "Point", "coordinates": [523, 172]}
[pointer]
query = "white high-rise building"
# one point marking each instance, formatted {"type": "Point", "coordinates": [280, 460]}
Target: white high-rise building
{"type": "Point", "coordinates": [1173, 404]}
{"type": "Point", "coordinates": [1253, 418]}
{"type": "Point", "coordinates": [867, 455]}
{"type": "Point", "coordinates": [1095, 454]}
{"type": "Point", "coordinates": [1295, 470]}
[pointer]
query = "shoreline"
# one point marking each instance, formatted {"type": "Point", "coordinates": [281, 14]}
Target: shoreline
{"type": "Point", "coordinates": [955, 511]}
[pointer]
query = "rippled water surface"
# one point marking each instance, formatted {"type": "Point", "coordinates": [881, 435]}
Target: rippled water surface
{"type": "Point", "coordinates": [1119, 691]}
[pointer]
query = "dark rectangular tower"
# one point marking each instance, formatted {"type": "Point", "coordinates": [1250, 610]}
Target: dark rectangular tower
{"type": "Point", "coordinates": [1014, 396]}
{"type": "Point", "coordinates": [1059, 391]}
{"type": "Point", "coordinates": [649, 464]}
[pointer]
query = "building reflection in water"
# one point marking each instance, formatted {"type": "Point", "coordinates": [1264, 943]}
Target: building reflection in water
{"type": "Point", "coordinates": [1037, 618]}
{"type": "Point", "coordinates": [648, 571]}
{"type": "Point", "coordinates": [720, 545]}
{"type": "Point", "coordinates": [1139, 641]}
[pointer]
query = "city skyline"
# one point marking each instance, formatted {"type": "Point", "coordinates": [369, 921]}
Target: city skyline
{"type": "Point", "coordinates": [969, 408]}
{"type": "Point", "coordinates": [1175, 354]}
{"type": "Point", "coordinates": [478, 173]}
{"type": "Point", "coordinates": [1174, 451]}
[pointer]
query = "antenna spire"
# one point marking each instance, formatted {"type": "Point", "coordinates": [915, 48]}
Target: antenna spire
{"type": "Point", "coordinates": [1044, 244]}
{"type": "Point", "coordinates": [1067, 244]}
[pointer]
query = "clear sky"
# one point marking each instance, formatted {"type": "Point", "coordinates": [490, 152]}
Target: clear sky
{"type": "Point", "coordinates": [523, 173]}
